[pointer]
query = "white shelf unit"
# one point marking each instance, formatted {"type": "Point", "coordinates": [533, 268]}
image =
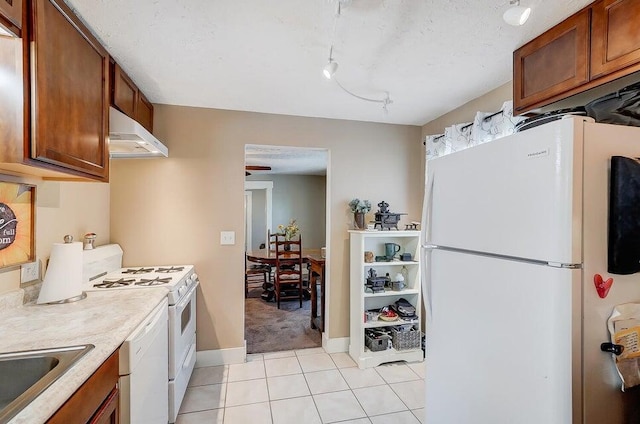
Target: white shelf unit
{"type": "Point", "coordinates": [374, 241]}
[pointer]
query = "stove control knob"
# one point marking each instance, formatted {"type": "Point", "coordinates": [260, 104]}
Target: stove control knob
{"type": "Point", "coordinates": [181, 291]}
{"type": "Point", "coordinates": [194, 277]}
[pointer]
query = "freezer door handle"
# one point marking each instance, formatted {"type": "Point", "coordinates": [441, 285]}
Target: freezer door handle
{"type": "Point", "coordinates": [427, 209]}
{"type": "Point", "coordinates": [426, 248]}
{"type": "Point", "coordinates": [616, 349]}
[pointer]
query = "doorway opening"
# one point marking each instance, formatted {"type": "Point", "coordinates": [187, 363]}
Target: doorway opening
{"type": "Point", "coordinates": [283, 184]}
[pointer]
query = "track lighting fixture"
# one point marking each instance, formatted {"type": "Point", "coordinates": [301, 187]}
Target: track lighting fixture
{"type": "Point", "coordinates": [330, 69]}
{"type": "Point", "coordinates": [516, 15]}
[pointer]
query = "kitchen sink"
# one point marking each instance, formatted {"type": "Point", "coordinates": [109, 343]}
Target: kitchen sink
{"type": "Point", "coordinates": [24, 375]}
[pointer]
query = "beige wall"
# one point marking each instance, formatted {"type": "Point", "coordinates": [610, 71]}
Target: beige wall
{"type": "Point", "coordinates": [62, 208]}
{"type": "Point", "coordinates": [169, 211]}
{"type": "Point", "coordinates": [299, 197]}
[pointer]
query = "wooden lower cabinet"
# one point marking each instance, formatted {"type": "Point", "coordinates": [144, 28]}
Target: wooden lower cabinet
{"type": "Point", "coordinates": [108, 412]}
{"type": "Point", "coordinates": [96, 401]}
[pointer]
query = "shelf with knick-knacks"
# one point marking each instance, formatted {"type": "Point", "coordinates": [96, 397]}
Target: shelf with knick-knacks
{"type": "Point", "coordinates": [379, 280]}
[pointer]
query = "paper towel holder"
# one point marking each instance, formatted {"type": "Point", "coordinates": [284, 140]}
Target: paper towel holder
{"type": "Point", "coordinates": [49, 289]}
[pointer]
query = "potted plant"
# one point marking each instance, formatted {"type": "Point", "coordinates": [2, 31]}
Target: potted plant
{"type": "Point", "coordinates": [359, 208]}
{"type": "Point", "coordinates": [290, 231]}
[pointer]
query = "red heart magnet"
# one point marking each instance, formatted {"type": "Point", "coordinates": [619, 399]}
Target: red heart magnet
{"type": "Point", "coordinates": [602, 287]}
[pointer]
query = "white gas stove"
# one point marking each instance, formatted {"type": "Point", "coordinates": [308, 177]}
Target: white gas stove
{"type": "Point", "coordinates": [102, 270]}
{"type": "Point", "coordinates": [177, 279]}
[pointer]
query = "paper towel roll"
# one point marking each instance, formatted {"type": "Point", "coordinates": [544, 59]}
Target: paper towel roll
{"type": "Point", "coordinates": [63, 279]}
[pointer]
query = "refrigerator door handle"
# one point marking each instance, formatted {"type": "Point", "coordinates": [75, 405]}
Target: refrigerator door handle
{"type": "Point", "coordinates": [425, 253]}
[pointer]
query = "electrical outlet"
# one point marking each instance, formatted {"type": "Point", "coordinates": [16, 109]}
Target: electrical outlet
{"type": "Point", "coordinates": [30, 272]}
{"type": "Point", "coordinates": [227, 237]}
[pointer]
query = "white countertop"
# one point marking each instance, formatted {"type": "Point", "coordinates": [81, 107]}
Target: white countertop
{"type": "Point", "coordinates": [103, 319]}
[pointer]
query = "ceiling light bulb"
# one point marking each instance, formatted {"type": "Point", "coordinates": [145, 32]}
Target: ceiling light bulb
{"type": "Point", "coordinates": [516, 15]}
{"type": "Point", "coordinates": [330, 69]}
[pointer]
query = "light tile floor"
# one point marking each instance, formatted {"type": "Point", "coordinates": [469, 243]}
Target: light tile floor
{"type": "Point", "coordinates": [305, 386]}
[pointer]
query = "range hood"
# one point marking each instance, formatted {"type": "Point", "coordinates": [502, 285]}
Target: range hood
{"type": "Point", "coordinates": [129, 139]}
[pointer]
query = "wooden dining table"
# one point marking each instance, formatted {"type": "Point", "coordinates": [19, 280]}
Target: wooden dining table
{"type": "Point", "coordinates": [316, 265]}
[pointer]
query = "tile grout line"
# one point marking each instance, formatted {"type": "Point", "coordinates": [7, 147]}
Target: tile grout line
{"type": "Point", "coordinates": [304, 375]}
{"type": "Point", "coordinates": [313, 399]}
{"type": "Point", "coordinates": [266, 382]}
{"type": "Point", "coordinates": [260, 358]}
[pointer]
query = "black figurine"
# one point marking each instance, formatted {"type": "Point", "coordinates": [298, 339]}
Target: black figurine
{"type": "Point", "coordinates": [385, 219]}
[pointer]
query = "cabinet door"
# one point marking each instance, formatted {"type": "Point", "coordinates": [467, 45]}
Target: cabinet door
{"type": "Point", "coordinates": [108, 412]}
{"type": "Point", "coordinates": [615, 36]}
{"type": "Point", "coordinates": [144, 112]}
{"type": "Point", "coordinates": [553, 63]}
{"type": "Point", "coordinates": [125, 92]}
{"type": "Point", "coordinates": [11, 101]}
{"type": "Point", "coordinates": [70, 92]}
{"type": "Point", "coordinates": [95, 400]}
{"type": "Point", "coordinates": [11, 15]}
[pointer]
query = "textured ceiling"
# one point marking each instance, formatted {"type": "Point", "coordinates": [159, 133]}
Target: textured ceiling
{"type": "Point", "coordinates": [286, 160]}
{"type": "Point", "coordinates": [431, 56]}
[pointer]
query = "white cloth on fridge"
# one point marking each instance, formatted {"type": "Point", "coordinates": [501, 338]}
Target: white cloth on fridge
{"type": "Point", "coordinates": [436, 146]}
{"type": "Point", "coordinates": [487, 126]}
{"type": "Point", "coordinates": [458, 136]}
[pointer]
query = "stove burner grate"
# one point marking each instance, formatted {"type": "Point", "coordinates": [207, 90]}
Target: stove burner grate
{"type": "Point", "coordinates": [108, 284]}
{"type": "Point", "coordinates": [137, 270]}
{"type": "Point", "coordinates": [172, 269]}
{"type": "Point", "coordinates": [153, 282]}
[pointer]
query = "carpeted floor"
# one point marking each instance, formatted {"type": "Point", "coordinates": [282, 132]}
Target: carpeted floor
{"type": "Point", "coordinates": [269, 329]}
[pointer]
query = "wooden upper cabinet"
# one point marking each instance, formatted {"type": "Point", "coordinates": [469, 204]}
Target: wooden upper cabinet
{"type": "Point", "coordinates": [11, 101]}
{"type": "Point", "coordinates": [615, 36]}
{"type": "Point", "coordinates": [553, 63]}
{"type": "Point", "coordinates": [144, 112]}
{"type": "Point", "coordinates": [128, 98]}
{"type": "Point", "coordinates": [70, 92]}
{"type": "Point", "coordinates": [125, 92]}
{"type": "Point", "coordinates": [11, 16]}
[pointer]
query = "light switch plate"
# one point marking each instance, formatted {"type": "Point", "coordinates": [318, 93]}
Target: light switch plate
{"type": "Point", "coordinates": [30, 272]}
{"type": "Point", "coordinates": [227, 237]}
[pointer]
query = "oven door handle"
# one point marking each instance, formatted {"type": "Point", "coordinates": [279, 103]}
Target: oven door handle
{"type": "Point", "coordinates": [187, 361]}
{"type": "Point", "coordinates": [187, 298]}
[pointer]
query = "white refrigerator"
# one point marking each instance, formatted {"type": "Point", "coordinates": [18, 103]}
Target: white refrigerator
{"type": "Point", "coordinates": [514, 231]}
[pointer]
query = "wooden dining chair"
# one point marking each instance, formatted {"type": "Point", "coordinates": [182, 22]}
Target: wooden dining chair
{"type": "Point", "coordinates": [255, 273]}
{"type": "Point", "coordinates": [288, 269]}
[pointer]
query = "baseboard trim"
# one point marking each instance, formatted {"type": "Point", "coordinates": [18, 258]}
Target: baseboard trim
{"type": "Point", "coordinates": [336, 344]}
{"type": "Point", "coordinates": [237, 355]}
{"type": "Point", "coordinates": [212, 358]}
